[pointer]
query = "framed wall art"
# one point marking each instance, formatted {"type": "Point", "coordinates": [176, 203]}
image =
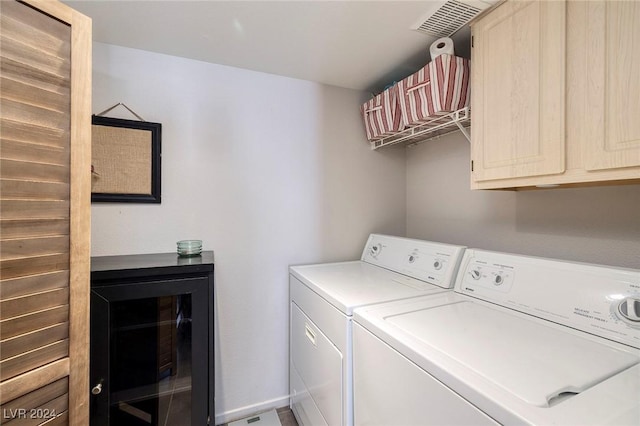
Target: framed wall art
{"type": "Point", "coordinates": [125, 160]}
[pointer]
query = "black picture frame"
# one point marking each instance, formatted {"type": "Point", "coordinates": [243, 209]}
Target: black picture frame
{"type": "Point", "coordinates": [155, 130]}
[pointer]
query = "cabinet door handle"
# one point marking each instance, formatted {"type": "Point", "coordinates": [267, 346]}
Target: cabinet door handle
{"type": "Point", "coordinates": [310, 334]}
{"type": "Point", "coordinates": [97, 389]}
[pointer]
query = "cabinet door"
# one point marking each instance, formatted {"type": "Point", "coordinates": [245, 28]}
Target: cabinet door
{"type": "Point", "coordinates": [613, 78]}
{"type": "Point", "coordinates": [518, 91]}
{"type": "Point", "coordinates": [44, 204]}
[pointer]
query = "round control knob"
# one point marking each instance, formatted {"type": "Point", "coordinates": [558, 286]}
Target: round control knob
{"type": "Point", "coordinates": [412, 258]}
{"type": "Point", "coordinates": [375, 250]}
{"type": "Point", "coordinates": [629, 308]}
{"type": "Point", "coordinates": [498, 280]}
{"type": "Point", "coordinates": [475, 274]}
{"type": "Point", "coordinates": [437, 265]}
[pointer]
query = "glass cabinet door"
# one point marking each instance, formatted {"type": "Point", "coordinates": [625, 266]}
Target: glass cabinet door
{"type": "Point", "coordinates": [151, 349]}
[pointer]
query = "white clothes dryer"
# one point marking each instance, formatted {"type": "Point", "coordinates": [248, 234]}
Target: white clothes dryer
{"type": "Point", "coordinates": [520, 340]}
{"type": "Point", "coordinates": [323, 298]}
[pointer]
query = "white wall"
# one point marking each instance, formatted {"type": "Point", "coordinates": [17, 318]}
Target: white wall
{"type": "Point", "coordinates": [268, 171]}
{"type": "Point", "coordinates": [597, 224]}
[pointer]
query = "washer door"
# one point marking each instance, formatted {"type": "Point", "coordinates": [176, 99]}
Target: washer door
{"type": "Point", "coordinates": [318, 364]}
{"type": "Point", "coordinates": [540, 363]}
{"type": "Point", "coordinates": [389, 389]}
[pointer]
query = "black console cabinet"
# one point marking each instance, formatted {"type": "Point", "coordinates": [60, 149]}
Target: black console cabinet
{"type": "Point", "coordinates": [152, 340]}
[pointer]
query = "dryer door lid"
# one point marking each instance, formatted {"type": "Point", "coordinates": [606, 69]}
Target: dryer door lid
{"type": "Point", "coordinates": [538, 363]}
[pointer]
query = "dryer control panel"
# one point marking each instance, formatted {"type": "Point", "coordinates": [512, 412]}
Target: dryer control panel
{"type": "Point", "coordinates": [432, 262]}
{"type": "Point", "coordinates": [601, 300]}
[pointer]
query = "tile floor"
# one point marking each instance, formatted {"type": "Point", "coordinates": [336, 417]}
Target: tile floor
{"type": "Point", "coordinates": [286, 417]}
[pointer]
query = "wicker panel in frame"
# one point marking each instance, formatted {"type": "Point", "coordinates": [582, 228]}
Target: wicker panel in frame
{"type": "Point", "coordinates": [125, 160]}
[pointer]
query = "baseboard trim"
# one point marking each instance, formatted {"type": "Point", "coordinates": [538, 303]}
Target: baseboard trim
{"type": "Point", "coordinates": [250, 410]}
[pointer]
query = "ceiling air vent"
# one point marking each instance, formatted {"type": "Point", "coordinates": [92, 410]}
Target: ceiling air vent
{"type": "Point", "coordinates": [450, 17]}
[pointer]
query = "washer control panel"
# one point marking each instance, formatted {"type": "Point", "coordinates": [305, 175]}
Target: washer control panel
{"type": "Point", "coordinates": [493, 277]}
{"type": "Point", "coordinates": [598, 299]}
{"type": "Point", "coordinates": [435, 263]}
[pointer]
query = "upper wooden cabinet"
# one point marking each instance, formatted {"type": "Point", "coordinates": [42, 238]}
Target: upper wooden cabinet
{"type": "Point", "coordinates": [518, 84]}
{"type": "Point", "coordinates": [613, 84]}
{"type": "Point", "coordinates": [555, 94]}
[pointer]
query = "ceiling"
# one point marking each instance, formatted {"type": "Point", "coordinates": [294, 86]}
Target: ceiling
{"type": "Point", "coordinates": [363, 45]}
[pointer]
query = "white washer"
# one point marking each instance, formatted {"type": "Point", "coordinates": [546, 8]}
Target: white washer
{"type": "Point", "coordinates": [323, 298]}
{"type": "Point", "coordinates": [527, 341]}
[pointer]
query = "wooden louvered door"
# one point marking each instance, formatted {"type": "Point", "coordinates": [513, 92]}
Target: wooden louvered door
{"type": "Point", "coordinates": [45, 113]}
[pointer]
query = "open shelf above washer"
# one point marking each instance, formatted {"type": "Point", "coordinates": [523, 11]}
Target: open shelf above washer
{"type": "Point", "coordinates": [438, 126]}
